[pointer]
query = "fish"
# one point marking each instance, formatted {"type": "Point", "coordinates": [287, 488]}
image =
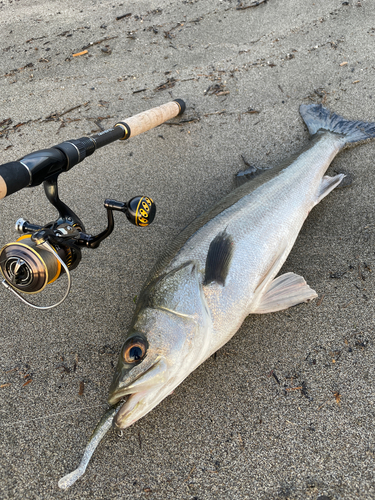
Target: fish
{"type": "Point", "coordinates": [223, 267]}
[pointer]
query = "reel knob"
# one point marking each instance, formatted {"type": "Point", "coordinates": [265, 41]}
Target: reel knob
{"type": "Point", "coordinates": [141, 211]}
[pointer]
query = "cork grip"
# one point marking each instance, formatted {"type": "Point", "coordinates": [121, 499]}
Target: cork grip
{"type": "Point", "coordinates": [149, 119]}
{"type": "Point", "coordinates": [3, 188]}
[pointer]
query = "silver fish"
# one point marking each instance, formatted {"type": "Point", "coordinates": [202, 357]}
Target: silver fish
{"type": "Point", "coordinates": [223, 267]}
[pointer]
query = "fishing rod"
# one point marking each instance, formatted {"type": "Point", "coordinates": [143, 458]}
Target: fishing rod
{"type": "Point", "coordinates": [45, 252]}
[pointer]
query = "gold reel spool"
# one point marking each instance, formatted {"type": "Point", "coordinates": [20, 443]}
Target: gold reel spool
{"type": "Point", "coordinates": [29, 266]}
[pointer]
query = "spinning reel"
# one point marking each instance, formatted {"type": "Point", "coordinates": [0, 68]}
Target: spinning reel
{"type": "Point", "coordinates": [44, 253]}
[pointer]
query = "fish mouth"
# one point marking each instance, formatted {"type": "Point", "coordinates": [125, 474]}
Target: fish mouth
{"type": "Point", "coordinates": [128, 413]}
{"type": "Point", "coordinates": [152, 377]}
{"type": "Point", "coordinates": [143, 391]}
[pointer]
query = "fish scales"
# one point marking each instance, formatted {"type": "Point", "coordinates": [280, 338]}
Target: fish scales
{"type": "Point", "coordinates": [221, 268]}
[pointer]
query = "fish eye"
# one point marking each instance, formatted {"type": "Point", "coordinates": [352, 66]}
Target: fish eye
{"type": "Point", "coordinates": [134, 351]}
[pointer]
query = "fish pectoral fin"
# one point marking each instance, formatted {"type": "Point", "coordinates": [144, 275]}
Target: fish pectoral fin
{"type": "Point", "coordinates": [327, 185]}
{"type": "Point", "coordinates": [285, 291]}
{"type": "Point", "coordinates": [218, 259]}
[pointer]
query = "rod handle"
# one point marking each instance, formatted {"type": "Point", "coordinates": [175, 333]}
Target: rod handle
{"type": "Point", "coordinates": [151, 118]}
{"type": "Point", "coordinates": [13, 177]}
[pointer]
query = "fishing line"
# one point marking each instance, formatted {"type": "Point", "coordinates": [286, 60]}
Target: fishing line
{"type": "Point", "coordinates": [51, 416]}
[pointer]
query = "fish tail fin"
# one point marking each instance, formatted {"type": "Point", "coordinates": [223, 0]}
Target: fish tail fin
{"type": "Point", "coordinates": [318, 118]}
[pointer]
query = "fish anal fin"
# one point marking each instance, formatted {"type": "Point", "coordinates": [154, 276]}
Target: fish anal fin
{"type": "Point", "coordinates": [285, 291]}
{"type": "Point", "coordinates": [327, 185]}
{"type": "Point", "coordinates": [218, 259]}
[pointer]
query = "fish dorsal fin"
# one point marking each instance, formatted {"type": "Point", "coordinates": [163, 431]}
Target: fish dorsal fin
{"type": "Point", "coordinates": [179, 291]}
{"type": "Point", "coordinates": [247, 175]}
{"type": "Point", "coordinates": [218, 259]}
{"type": "Point", "coordinates": [285, 291]}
